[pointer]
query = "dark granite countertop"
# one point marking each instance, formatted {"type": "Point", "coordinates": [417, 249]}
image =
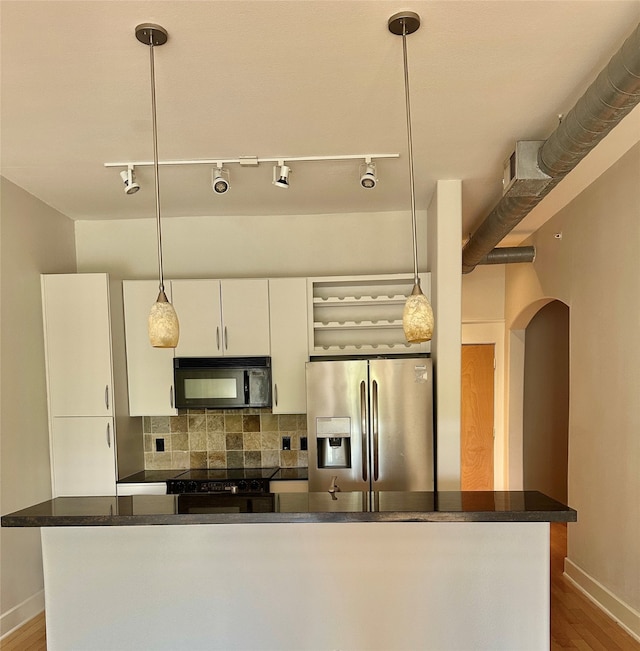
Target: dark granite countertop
{"type": "Point", "coordinates": [291, 474]}
{"type": "Point", "coordinates": [450, 506]}
{"type": "Point", "coordinates": [150, 476]}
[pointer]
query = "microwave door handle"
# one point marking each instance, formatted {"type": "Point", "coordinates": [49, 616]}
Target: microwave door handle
{"type": "Point", "coordinates": [246, 388]}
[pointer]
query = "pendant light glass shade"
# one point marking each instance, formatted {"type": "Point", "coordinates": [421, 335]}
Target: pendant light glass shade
{"type": "Point", "coordinates": [164, 328]}
{"type": "Point", "coordinates": [417, 317]}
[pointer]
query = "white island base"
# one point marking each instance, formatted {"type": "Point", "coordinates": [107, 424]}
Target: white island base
{"type": "Point", "coordinates": [371, 586]}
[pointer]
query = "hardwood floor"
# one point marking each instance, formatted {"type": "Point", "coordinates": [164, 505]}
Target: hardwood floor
{"type": "Point", "coordinates": [30, 637]}
{"type": "Point", "coordinates": [575, 622]}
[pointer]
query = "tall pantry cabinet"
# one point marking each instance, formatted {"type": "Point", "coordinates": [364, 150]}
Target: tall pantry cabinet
{"type": "Point", "coordinates": [93, 440]}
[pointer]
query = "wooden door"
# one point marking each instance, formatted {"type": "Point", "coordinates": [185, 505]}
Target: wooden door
{"type": "Point", "coordinates": [476, 445]}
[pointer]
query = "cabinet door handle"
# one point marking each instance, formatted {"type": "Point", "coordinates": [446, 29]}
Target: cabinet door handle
{"type": "Point", "coordinates": [171, 397]}
{"type": "Point", "coordinates": [109, 434]}
{"type": "Point", "coordinates": [106, 396]}
{"type": "Point", "coordinates": [275, 394]}
{"type": "Point", "coordinates": [218, 337]}
{"type": "Point", "coordinates": [226, 339]}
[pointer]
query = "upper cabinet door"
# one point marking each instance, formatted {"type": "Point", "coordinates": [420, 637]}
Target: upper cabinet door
{"type": "Point", "coordinates": [149, 369]}
{"type": "Point", "coordinates": [245, 317]}
{"type": "Point", "coordinates": [197, 304]}
{"type": "Point", "coordinates": [78, 342]}
{"type": "Point", "coordinates": [289, 346]}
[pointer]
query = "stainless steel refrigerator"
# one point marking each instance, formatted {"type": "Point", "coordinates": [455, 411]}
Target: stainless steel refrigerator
{"type": "Point", "coordinates": [370, 424]}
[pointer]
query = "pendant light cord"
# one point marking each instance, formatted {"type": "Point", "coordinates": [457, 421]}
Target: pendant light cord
{"type": "Point", "coordinates": [155, 162]}
{"type": "Point", "coordinates": [410, 147]}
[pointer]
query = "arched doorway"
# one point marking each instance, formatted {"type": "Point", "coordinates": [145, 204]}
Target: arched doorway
{"type": "Point", "coordinates": [546, 401]}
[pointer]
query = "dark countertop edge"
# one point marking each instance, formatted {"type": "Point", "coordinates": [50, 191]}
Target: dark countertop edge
{"type": "Point", "coordinates": [284, 518]}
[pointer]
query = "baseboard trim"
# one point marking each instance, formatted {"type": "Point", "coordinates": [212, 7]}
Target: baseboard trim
{"type": "Point", "coordinates": [15, 617]}
{"type": "Point", "coordinates": [621, 612]}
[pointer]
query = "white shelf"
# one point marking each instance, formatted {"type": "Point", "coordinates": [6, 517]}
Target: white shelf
{"type": "Point", "coordinates": [357, 325]}
{"type": "Point", "coordinates": [350, 301]}
{"type": "Point", "coordinates": [361, 349]}
{"type": "Point", "coordinates": [360, 314]}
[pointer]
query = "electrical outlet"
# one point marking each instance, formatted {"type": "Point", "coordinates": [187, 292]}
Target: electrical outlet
{"type": "Point", "coordinates": [159, 445]}
{"type": "Point", "coordinates": [303, 442]}
{"type": "Point", "coordinates": [286, 442]}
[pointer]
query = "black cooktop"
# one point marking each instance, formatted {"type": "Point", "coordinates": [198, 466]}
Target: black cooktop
{"type": "Point", "coordinates": [226, 474]}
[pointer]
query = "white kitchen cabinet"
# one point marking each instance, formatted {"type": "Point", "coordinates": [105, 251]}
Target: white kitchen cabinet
{"type": "Point", "coordinates": [149, 369]}
{"type": "Point", "coordinates": [222, 317]}
{"type": "Point", "coordinates": [78, 344]}
{"type": "Point", "coordinates": [86, 385]}
{"type": "Point", "coordinates": [197, 303]}
{"type": "Point", "coordinates": [83, 456]}
{"type": "Point", "coordinates": [245, 316]}
{"type": "Point", "coordinates": [289, 346]}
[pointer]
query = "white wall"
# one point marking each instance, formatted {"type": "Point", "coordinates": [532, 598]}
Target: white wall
{"type": "Point", "coordinates": [595, 269]}
{"type": "Point", "coordinates": [445, 263]}
{"type": "Point", "coordinates": [483, 294]}
{"type": "Point", "coordinates": [35, 239]}
{"type": "Point", "coordinates": [242, 247]}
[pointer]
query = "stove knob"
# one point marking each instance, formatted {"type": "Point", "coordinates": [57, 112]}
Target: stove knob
{"type": "Point", "coordinates": [254, 485]}
{"type": "Point", "coordinates": [242, 485]}
{"type": "Point", "coordinates": [178, 487]}
{"type": "Point", "coordinates": [192, 487]}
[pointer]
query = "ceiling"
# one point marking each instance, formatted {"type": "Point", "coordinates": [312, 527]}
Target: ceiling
{"type": "Point", "coordinates": [277, 79]}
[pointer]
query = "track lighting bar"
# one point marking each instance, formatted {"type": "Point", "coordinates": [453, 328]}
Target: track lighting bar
{"type": "Point", "coordinates": [251, 160]}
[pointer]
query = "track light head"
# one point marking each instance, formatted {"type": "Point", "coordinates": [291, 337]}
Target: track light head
{"type": "Point", "coordinates": [129, 179]}
{"type": "Point", "coordinates": [368, 178]}
{"type": "Point", "coordinates": [281, 178]}
{"type": "Point", "coordinates": [220, 180]}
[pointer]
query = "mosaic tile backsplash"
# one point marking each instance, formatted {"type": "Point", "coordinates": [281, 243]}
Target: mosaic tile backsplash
{"type": "Point", "coordinates": [225, 438]}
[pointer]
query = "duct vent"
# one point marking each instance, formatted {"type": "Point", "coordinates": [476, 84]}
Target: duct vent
{"type": "Point", "coordinates": [522, 175]}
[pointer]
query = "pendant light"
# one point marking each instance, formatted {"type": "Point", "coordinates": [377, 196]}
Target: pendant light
{"type": "Point", "coordinates": [417, 317]}
{"type": "Point", "coordinates": [164, 329]}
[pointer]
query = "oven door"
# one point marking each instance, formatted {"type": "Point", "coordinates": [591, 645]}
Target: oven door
{"type": "Point", "coordinates": [225, 503]}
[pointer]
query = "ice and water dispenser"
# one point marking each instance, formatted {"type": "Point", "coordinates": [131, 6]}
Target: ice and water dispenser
{"type": "Point", "coordinates": [333, 437]}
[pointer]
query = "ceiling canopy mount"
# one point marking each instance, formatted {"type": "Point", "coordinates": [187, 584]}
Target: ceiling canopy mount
{"type": "Point", "coordinates": [151, 34]}
{"type": "Point", "coordinates": [404, 22]}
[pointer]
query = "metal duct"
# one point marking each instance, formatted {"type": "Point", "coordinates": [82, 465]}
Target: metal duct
{"type": "Point", "coordinates": [510, 255]}
{"type": "Point", "coordinates": [613, 94]}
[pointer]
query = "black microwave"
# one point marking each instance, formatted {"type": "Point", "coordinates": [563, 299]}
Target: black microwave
{"type": "Point", "coordinates": [222, 382]}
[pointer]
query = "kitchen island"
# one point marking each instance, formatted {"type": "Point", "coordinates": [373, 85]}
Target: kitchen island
{"type": "Point", "coordinates": [369, 571]}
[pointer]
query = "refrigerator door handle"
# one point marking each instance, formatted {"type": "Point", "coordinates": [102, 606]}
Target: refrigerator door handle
{"type": "Point", "coordinates": [363, 428]}
{"type": "Point", "coordinates": [374, 419]}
